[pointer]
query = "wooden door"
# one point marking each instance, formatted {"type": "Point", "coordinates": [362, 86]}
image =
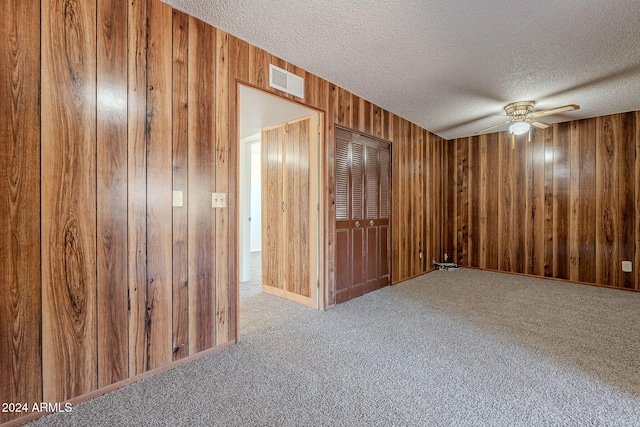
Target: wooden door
{"type": "Point", "coordinates": [362, 214]}
{"type": "Point", "coordinates": [290, 210]}
{"type": "Point", "coordinates": [272, 195]}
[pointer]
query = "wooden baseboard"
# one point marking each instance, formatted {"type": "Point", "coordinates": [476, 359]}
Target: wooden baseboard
{"type": "Point", "coordinates": [533, 276]}
{"type": "Point", "coordinates": [412, 277]}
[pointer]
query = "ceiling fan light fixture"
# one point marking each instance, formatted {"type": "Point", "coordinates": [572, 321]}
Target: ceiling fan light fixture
{"type": "Point", "coordinates": [519, 128]}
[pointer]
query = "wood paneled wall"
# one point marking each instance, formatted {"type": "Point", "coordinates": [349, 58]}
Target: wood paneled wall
{"type": "Point", "coordinates": [563, 205]}
{"type": "Point", "coordinates": [108, 106]}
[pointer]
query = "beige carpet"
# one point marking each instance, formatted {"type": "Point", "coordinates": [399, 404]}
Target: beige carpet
{"type": "Point", "coordinates": [454, 348]}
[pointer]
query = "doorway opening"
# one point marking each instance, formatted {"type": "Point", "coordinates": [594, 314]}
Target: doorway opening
{"type": "Point", "coordinates": [279, 198]}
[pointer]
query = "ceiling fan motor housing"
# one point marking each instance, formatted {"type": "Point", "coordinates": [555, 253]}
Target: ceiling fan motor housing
{"type": "Point", "coordinates": [519, 110]}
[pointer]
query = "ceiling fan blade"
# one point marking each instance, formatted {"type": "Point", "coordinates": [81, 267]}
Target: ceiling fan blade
{"type": "Point", "coordinates": [537, 124]}
{"type": "Point", "coordinates": [556, 110]}
{"type": "Point", "coordinates": [493, 127]}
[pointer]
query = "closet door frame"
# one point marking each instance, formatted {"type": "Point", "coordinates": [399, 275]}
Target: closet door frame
{"type": "Point", "coordinates": [352, 232]}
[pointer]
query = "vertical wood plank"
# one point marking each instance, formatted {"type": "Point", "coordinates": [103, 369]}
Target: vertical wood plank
{"type": "Point", "coordinates": [20, 351]}
{"type": "Point", "coordinates": [330, 200]}
{"type": "Point", "coordinates": [239, 72]}
{"type": "Point", "coordinates": [312, 93]}
{"type": "Point", "coordinates": [482, 201]}
{"type": "Point", "coordinates": [626, 192]}
{"type": "Point", "coordinates": [549, 163]}
{"type": "Point", "coordinates": [439, 172]}
{"type": "Point", "coordinates": [607, 197]}
{"type": "Point", "coordinates": [359, 125]}
{"type": "Point", "coordinates": [462, 200]}
{"type": "Point", "coordinates": [405, 137]}
{"type": "Point", "coordinates": [396, 197]}
{"type": "Point", "coordinates": [180, 119]}
{"type": "Point", "coordinates": [574, 201]}
{"type": "Point", "coordinates": [387, 125]}
{"type": "Point", "coordinates": [560, 192]}
{"type": "Point", "coordinates": [474, 202]}
{"type": "Point", "coordinates": [111, 139]}
{"type": "Point", "coordinates": [449, 194]}
{"type": "Point", "coordinates": [259, 67]}
{"type": "Point", "coordinates": [435, 207]}
{"type": "Point", "coordinates": [343, 117]}
{"type": "Point", "coordinates": [493, 183]}
{"type": "Point", "coordinates": [505, 214]}
{"type": "Point", "coordinates": [69, 199]}
{"type": "Point", "coordinates": [528, 217]}
{"type": "Point", "coordinates": [537, 212]}
{"type": "Point", "coordinates": [201, 175]}
{"type": "Point", "coordinates": [428, 212]}
{"type": "Point", "coordinates": [636, 265]}
{"type": "Point", "coordinates": [368, 119]}
{"type": "Point", "coordinates": [452, 184]}
{"type": "Point", "coordinates": [400, 211]}
{"type": "Point", "coordinates": [587, 208]}
{"type": "Point", "coordinates": [376, 119]}
{"type": "Point", "coordinates": [222, 150]}
{"type": "Point", "coordinates": [414, 217]}
{"type": "Point", "coordinates": [137, 184]}
{"type": "Point", "coordinates": [159, 177]}
{"type": "Point", "coordinates": [519, 210]}
{"type": "Point", "coordinates": [419, 200]}
{"type": "Point", "coordinates": [434, 203]}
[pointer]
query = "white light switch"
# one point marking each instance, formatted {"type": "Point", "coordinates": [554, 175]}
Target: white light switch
{"type": "Point", "coordinates": [177, 199]}
{"type": "Point", "coordinates": [627, 267]}
{"type": "Point", "coordinates": [218, 200]}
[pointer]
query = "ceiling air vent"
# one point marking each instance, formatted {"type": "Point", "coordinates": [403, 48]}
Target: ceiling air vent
{"type": "Point", "coordinates": [285, 81]}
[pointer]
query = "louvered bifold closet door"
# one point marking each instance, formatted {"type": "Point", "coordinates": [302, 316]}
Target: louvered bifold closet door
{"type": "Point", "coordinates": [376, 223]}
{"type": "Point", "coordinates": [343, 214]}
{"type": "Point", "coordinates": [362, 214]}
{"type": "Point", "coordinates": [383, 215]}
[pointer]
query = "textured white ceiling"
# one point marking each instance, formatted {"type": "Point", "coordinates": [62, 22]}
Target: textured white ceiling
{"type": "Point", "coordinates": [451, 66]}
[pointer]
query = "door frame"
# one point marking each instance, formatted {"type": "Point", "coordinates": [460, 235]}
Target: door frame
{"type": "Point", "coordinates": [323, 290]}
{"type": "Point", "coordinates": [244, 204]}
{"type": "Point", "coordinates": [314, 223]}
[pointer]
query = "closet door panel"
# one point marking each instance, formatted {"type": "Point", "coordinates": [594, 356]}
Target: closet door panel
{"type": "Point", "coordinates": [271, 207]}
{"type": "Point", "coordinates": [297, 208]}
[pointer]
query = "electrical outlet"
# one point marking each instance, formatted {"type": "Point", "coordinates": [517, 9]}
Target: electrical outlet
{"type": "Point", "coordinates": [420, 254]}
{"type": "Point", "coordinates": [446, 257]}
{"type": "Point", "coordinates": [218, 200]}
{"type": "Point", "coordinates": [627, 266]}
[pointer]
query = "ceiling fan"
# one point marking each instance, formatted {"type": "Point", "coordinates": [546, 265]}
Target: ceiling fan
{"type": "Point", "coordinates": [522, 117]}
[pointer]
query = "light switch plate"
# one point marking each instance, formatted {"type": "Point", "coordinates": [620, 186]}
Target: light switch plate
{"type": "Point", "coordinates": [627, 266]}
{"type": "Point", "coordinates": [177, 199]}
{"type": "Point", "coordinates": [218, 200]}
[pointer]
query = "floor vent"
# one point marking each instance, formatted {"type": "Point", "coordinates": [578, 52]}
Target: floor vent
{"type": "Point", "coordinates": [285, 81]}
